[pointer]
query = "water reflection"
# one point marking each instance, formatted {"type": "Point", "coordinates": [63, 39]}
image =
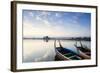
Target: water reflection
{"type": "Point", "coordinates": [38, 50]}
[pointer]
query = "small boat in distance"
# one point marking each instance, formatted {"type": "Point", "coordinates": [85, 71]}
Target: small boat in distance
{"type": "Point", "coordinates": [83, 51]}
{"type": "Point", "coordinates": [64, 53]}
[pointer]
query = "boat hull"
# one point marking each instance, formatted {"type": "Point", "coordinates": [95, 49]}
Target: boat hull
{"type": "Point", "coordinates": [59, 56]}
{"type": "Point", "coordinates": [64, 54]}
{"type": "Point", "coordinates": [84, 55]}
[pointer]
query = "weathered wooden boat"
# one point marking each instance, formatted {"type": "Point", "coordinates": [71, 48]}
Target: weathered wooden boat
{"type": "Point", "coordinates": [83, 51]}
{"type": "Point", "coordinates": [65, 54]}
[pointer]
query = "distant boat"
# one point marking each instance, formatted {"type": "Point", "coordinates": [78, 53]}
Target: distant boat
{"type": "Point", "coordinates": [83, 51]}
{"type": "Point", "coordinates": [65, 54]}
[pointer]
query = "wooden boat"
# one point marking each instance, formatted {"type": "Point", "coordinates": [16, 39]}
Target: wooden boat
{"type": "Point", "coordinates": [65, 54]}
{"type": "Point", "coordinates": [83, 51]}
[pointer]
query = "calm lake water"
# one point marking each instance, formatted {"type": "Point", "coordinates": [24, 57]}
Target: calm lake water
{"type": "Point", "coordinates": [38, 50]}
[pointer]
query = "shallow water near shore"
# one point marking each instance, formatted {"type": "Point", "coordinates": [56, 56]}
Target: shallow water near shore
{"type": "Point", "coordinates": [39, 50]}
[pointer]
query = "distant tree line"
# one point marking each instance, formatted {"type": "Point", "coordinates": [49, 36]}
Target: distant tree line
{"type": "Point", "coordinates": [60, 38]}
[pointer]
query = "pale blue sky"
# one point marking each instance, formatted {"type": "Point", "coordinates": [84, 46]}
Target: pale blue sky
{"type": "Point", "coordinates": [56, 24]}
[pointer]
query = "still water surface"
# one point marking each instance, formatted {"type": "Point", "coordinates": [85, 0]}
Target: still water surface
{"type": "Point", "coordinates": [38, 50]}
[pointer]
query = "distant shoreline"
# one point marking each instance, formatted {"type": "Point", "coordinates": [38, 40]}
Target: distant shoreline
{"type": "Point", "coordinates": [76, 39]}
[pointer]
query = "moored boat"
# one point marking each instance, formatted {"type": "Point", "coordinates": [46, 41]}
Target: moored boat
{"type": "Point", "coordinates": [65, 54]}
{"type": "Point", "coordinates": [83, 51]}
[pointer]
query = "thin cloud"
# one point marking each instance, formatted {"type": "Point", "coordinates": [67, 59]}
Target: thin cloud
{"type": "Point", "coordinates": [41, 23]}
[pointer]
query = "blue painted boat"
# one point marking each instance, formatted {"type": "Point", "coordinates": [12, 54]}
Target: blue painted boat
{"type": "Point", "coordinates": [65, 54]}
